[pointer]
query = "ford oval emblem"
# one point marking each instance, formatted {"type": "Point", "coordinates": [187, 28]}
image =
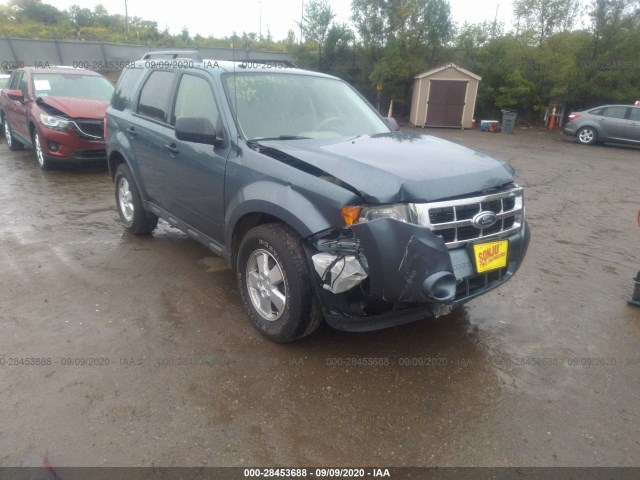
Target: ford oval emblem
{"type": "Point", "coordinates": [484, 220]}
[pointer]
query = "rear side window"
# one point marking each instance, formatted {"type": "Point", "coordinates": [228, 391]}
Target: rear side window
{"type": "Point", "coordinates": [614, 112]}
{"type": "Point", "coordinates": [126, 88]}
{"type": "Point", "coordinates": [154, 97]}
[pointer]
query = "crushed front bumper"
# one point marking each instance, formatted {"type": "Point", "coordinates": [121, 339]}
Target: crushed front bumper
{"type": "Point", "coordinates": [411, 275]}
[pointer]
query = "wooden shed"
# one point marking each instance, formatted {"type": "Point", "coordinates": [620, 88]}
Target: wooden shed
{"type": "Point", "coordinates": [444, 97]}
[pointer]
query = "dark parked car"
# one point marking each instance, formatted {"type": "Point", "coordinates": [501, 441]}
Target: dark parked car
{"type": "Point", "coordinates": [609, 123]}
{"type": "Point", "coordinates": [58, 111]}
{"type": "Point", "coordinates": [322, 210]}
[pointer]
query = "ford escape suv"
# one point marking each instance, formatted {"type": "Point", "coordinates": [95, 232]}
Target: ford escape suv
{"type": "Point", "coordinates": [58, 111]}
{"type": "Point", "coordinates": [322, 209]}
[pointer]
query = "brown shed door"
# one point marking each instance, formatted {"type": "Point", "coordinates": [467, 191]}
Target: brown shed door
{"type": "Point", "coordinates": [446, 103]}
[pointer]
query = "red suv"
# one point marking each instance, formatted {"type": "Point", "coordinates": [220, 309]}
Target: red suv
{"type": "Point", "coordinates": [58, 111]}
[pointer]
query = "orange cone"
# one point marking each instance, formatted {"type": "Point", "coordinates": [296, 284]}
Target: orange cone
{"type": "Point", "coordinates": [552, 120]}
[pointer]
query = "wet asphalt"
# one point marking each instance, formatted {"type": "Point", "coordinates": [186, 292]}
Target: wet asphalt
{"type": "Point", "coordinates": [124, 351]}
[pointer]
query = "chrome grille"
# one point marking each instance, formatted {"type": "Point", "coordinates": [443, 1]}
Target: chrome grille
{"type": "Point", "coordinates": [90, 129]}
{"type": "Point", "coordinates": [452, 219]}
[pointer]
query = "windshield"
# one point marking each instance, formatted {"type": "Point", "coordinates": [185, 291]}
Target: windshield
{"type": "Point", "coordinates": [71, 85]}
{"type": "Point", "coordinates": [303, 106]}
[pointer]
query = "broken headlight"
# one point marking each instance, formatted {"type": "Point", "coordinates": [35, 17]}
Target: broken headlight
{"type": "Point", "coordinates": [402, 212]}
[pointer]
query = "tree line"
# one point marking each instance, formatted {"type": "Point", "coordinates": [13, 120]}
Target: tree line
{"type": "Point", "coordinates": [580, 53]}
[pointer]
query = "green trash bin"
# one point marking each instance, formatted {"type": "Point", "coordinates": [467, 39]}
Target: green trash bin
{"type": "Point", "coordinates": [508, 121]}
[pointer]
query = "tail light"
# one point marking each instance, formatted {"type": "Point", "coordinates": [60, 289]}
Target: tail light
{"type": "Point", "coordinates": [574, 116]}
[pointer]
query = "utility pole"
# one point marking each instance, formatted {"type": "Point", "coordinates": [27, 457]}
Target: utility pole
{"type": "Point", "coordinates": [495, 22]}
{"type": "Point", "coordinates": [260, 3]}
{"type": "Point", "coordinates": [301, 20]}
{"type": "Point", "coordinates": [126, 18]}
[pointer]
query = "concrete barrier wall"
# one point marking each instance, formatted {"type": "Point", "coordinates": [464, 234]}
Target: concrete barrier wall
{"type": "Point", "coordinates": [102, 56]}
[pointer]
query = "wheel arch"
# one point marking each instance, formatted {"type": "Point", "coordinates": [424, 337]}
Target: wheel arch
{"type": "Point", "coordinates": [589, 125]}
{"type": "Point", "coordinates": [242, 226]}
{"type": "Point", "coordinates": [254, 218]}
{"type": "Point", "coordinates": [32, 128]}
{"type": "Point", "coordinates": [114, 160]}
{"type": "Point", "coordinates": [270, 201]}
{"type": "Point", "coordinates": [255, 213]}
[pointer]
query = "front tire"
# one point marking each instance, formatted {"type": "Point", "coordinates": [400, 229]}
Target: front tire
{"type": "Point", "coordinates": [274, 283]}
{"type": "Point", "coordinates": [43, 161]}
{"type": "Point", "coordinates": [134, 217]}
{"type": "Point", "coordinates": [587, 136]}
{"type": "Point", "coordinates": [13, 144]}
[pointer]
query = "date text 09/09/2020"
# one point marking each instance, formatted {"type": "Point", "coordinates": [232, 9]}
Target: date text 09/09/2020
{"type": "Point", "coordinates": [316, 472]}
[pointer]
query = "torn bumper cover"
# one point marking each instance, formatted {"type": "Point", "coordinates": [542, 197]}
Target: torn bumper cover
{"type": "Point", "coordinates": [407, 263]}
{"type": "Point", "coordinates": [410, 271]}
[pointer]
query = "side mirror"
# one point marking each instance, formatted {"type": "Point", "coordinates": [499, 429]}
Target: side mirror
{"type": "Point", "coordinates": [393, 125]}
{"type": "Point", "coordinates": [15, 95]}
{"type": "Point", "coordinates": [197, 130]}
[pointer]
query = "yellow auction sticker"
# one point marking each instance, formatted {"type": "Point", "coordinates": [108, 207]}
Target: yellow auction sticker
{"type": "Point", "coordinates": [490, 255]}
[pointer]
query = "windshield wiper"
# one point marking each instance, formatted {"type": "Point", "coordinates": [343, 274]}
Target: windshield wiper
{"type": "Point", "coordinates": [281, 137]}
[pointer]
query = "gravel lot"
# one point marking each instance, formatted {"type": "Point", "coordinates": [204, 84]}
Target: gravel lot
{"type": "Point", "coordinates": [545, 371]}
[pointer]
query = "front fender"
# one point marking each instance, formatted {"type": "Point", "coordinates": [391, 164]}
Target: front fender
{"type": "Point", "coordinates": [297, 209]}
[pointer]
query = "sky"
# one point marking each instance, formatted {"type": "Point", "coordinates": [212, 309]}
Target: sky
{"type": "Point", "coordinates": [221, 18]}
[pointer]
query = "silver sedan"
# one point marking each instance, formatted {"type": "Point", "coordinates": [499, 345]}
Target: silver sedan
{"type": "Point", "coordinates": [608, 123]}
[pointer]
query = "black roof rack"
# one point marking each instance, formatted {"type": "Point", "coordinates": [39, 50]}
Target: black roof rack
{"type": "Point", "coordinates": [173, 54]}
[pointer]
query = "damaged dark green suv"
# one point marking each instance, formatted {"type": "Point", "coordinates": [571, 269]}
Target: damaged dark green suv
{"type": "Point", "coordinates": [321, 208]}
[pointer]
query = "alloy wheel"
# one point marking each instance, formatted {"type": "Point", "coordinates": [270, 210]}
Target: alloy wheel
{"type": "Point", "coordinates": [7, 133]}
{"type": "Point", "coordinates": [125, 199]}
{"type": "Point", "coordinates": [38, 147]}
{"type": "Point", "coordinates": [266, 285]}
{"type": "Point", "coordinates": [586, 135]}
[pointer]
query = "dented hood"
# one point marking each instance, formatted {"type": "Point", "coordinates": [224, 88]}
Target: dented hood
{"type": "Point", "coordinates": [76, 107]}
{"type": "Point", "coordinates": [398, 166]}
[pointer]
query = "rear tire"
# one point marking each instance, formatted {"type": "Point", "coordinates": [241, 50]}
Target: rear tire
{"type": "Point", "coordinates": [134, 217]}
{"type": "Point", "coordinates": [274, 283]}
{"type": "Point", "coordinates": [13, 144]}
{"type": "Point", "coordinates": [587, 136]}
